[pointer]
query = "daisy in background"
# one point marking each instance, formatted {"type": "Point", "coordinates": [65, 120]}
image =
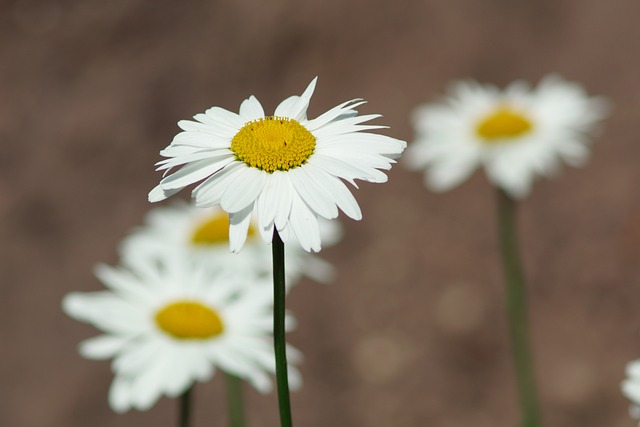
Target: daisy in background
{"type": "Point", "coordinates": [204, 235]}
{"type": "Point", "coordinates": [168, 324]}
{"type": "Point", "coordinates": [631, 388]}
{"type": "Point", "coordinates": [515, 134]}
{"type": "Point", "coordinates": [284, 168]}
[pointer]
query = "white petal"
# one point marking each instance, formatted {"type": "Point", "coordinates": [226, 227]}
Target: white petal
{"type": "Point", "coordinates": [283, 198]}
{"type": "Point", "coordinates": [194, 172]}
{"type": "Point", "coordinates": [633, 369]}
{"type": "Point", "coordinates": [267, 206]}
{"type": "Point", "coordinates": [304, 224]}
{"type": "Point", "coordinates": [214, 128]}
{"type": "Point", "coordinates": [197, 140]}
{"type": "Point", "coordinates": [102, 346]}
{"type": "Point", "coordinates": [444, 175]}
{"type": "Point", "coordinates": [346, 170]}
{"type": "Point", "coordinates": [192, 158]}
{"type": "Point", "coordinates": [225, 117]}
{"type": "Point", "coordinates": [338, 191]}
{"type": "Point", "coordinates": [238, 228]}
{"type": "Point", "coordinates": [120, 394]}
{"type": "Point", "coordinates": [266, 232]}
{"type": "Point", "coordinates": [159, 194]}
{"type": "Point", "coordinates": [365, 160]}
{"type": "Point", "coordinates": [251, 109]}
{"type": "Point", "coordinates": [147, 386]}
{"type": "Point", "coordinates": [243, 189]}
{"type": "Point", "coordinates": [283, 109]}
{"type": "Point", "coordinates": [313, 195]}
{"type": "Point", "coordinates": [296, 107]}
{"type": "Point", "coordinates": [367, 142]}
{"type": "Point", "coordinates": [210, 191]}
{"type": "Point", "coordinates": [137, 357]}
{"type": "Point", "coordinates": [333, 113]}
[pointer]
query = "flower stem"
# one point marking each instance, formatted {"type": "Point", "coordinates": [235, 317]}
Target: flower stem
{"type": "Point", "coordinates": [279, 341]}
{"type": "Point", "coordinates": [517, 310]}
{"type": "Point", "coordinates": [185, 408]}
{"type": "Point", "coordinates": [235, 400]}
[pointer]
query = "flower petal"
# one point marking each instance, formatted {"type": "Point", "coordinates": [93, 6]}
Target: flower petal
{"type": "Point", "coordinates": [239, 227]}
{"type": "Point", "coordinates": [243, 189]}
{"type": "Point", "coordinates": [102, 346]}
{"type": "Point", "coordinates": [194, 172]}
{"type": "Point", "coordinates": [251, 109]}
{"type": "Point", "coordinates": [295, 107]}
{"type": "Point", "coordinates": [314, 195]}
{"type": "Point", "coordinates": [304, 224]}
{"type": "Point", "coordinates": [338, 191]}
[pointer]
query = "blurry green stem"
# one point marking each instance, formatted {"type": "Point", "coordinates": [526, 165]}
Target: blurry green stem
{"type": "Point", "coordinates": [517, 310]}
{"type": "Point", "coordinates": [279, 341]}
{"type": "Point", "coordinates": [185, 408]}
{"type": "Point", "coordinates": [235, 400]}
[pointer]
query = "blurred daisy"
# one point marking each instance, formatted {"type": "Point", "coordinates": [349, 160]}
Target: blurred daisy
{"type": "Point", "coordinates": [631, 388]}
{"type": "Point", "coordinates": [204, 235]}
{"type": "Point", "coordinates": [167, 325]}
{"type": "Point", "coordinates": [515, 134]}
{"type": "Point", "coordinates": [285, 167]}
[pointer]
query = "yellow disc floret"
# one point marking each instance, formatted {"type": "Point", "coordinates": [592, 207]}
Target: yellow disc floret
{"type": "Point", "coordinates": [189, 320]}
{"type": "Point", "coordinates": [273, 143]}
{"type": "Point", "coordinates": [214, 231]}
{"type": "Point", "coordinates": [503, 124]}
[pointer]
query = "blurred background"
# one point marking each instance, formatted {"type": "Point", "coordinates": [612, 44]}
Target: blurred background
{"type": "Point", "coordinates": [412, 333]}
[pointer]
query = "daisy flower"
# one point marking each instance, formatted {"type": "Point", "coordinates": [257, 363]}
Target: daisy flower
{"type": "Point", "coordinates": [204, 235]}
{"type": "Point", "coordinates": [286, 168]}
{"type": "Point", "coordinates": [631, 388]}
{"type": "Point", "coordinates": [167, 325]}
{"type": "Point", "coordinates": [515, 134]}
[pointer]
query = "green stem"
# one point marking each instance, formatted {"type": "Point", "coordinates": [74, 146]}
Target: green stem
{"type": "Point", "coordinates": [235, 400]}
{"type": "Point", "coordinates": [279, 341]}
{"type": "Point", "coordinates": [517, 310]}
{"type": "Point", "coordinates": [185, 408]}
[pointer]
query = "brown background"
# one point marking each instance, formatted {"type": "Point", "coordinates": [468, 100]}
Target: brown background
{"type": "Point", "coordinates": [413, 332]}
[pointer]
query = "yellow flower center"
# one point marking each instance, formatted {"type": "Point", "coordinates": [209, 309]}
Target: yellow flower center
{"type": "Point", "coordinates": [189, 320]}
{"type": "Point", "coordinates": [214, 231]}
{"type": "Point", "coordinates": [503, 123]}
{"type": "Point", "coordinates": [273, 143]}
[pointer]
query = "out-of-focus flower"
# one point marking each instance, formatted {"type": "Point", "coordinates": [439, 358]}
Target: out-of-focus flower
{"type": "Point", "coordinates": [203, 234]}
{"type": "Point", "coordinates": [285, 168]}
{"type": "Point", "coordinates": [631, 388]}
{"type": "Point", "coordinates": [168, 324]}
{"type": "Point", "coordinates": [515, 134]}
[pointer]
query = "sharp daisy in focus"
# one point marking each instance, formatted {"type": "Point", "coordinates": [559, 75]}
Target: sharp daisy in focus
{"type": "Point", "coordinates": [515, 134]}
{"type": "Point", "coordinates": [168, 323]}
{"type": "Point", "coordinates": [285, 168]}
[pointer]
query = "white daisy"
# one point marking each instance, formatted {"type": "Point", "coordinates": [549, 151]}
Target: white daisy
{"type": "Point", "coordinates": [516, 133]}
{"type": "Point", "coordinates": [285, 167]}
{"type": "Point", "coordinates": [204, 235]}
{"type": "Point", "coordinates": [167, 325]}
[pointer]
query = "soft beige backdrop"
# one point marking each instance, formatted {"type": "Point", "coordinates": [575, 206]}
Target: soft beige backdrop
{"type": "Point", "coordinates": [413, 332]}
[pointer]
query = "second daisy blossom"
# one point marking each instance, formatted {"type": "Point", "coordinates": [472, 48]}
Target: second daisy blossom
{"type": "Point", "coordinates": [516, 134]}
{"type": "Point", "coordinates": [285, 167]}
{"type": "Point", "coordinates": [169, 323]}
